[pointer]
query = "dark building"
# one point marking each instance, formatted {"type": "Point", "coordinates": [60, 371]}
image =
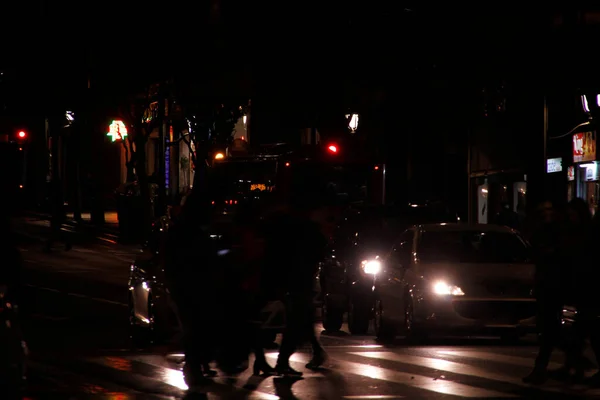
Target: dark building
{"type": "Point", "coordinates": [528, 109]}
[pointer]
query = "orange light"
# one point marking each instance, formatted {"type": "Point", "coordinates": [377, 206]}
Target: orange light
{"type": "Point", "coordinates": [243, 138]}
{"type": "Point", "coordinates": [376, 167]}
{"type": "Point", "coordinates": [219, 156]}
{"type": "Point", "coordinates": [20, 186]}
{"type": "Point", "coordinates": [332, 149]}
{"type": "Point", "coordinates": [22, 134]}
{"type": "Point", "coordinates": [287, 164]}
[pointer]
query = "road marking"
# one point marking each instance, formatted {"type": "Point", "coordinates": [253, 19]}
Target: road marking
{"type": "Point", "coordinates": [174, 377]}
{"type": "Point", "coordinates": [78, 295]}
{"type": "Point", "coordinates": [107, 240]}
{"type": "Point", "coordinates": [374, 397]}
{"type": "Point", "coordinates": [451, 366]}
{"type": "Point", "coordinates": [485, 356]}
{"type": "Point", "coordinates": [355, 346]}
{"type": "Point", "coordinates": [418, 381]}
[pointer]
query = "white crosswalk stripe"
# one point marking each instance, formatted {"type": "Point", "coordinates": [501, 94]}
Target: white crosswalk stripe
{"type": "Point", "coordinates": [390, 374]}
{"type": "Point", "coordinates": [422, 382]}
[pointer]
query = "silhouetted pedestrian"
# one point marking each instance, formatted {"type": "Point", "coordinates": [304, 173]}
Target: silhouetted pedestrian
{"type": "Point", "coordinates": [195, 286]}
{"type": "Point", "coordinates": [549, 288]}
{"type": "Point", "coordinates": [58, 218]}
{"type": "Point", "coordinates": [295, 246]}
{"type": "Point", "coordinates": [583, 288]}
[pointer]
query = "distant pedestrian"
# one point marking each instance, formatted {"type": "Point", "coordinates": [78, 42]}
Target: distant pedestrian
{"type": "Point", "coordinates": [57, 218]}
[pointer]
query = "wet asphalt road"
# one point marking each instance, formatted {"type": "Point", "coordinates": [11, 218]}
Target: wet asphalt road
{"type": "Point", "coordinates": [77, 333]}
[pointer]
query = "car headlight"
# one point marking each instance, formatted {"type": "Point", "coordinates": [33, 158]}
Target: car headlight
{"type": "Point", "coordinates": [371, 267]}
{"type": "Point", "coordinates": [444, 289]}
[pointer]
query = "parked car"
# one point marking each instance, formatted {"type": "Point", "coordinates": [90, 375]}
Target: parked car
{"type": "Point", "coordinates": [347, 274]}
{"type": "Point", "coordinates": [455, 278]}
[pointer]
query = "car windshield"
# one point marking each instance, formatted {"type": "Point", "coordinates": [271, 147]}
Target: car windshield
{"type": "Point", "coordinates": [471, 247]}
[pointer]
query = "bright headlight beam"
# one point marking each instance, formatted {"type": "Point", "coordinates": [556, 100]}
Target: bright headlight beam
{"type": "Point", "coordinates": [444, 289]}
{"type": "Point", "coordinates": [371, 266]}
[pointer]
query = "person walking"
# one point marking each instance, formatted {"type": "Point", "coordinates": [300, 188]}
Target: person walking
{"type": "Point", "coordinates": [57, 218]}
{"type": "Point", "coordinates": [583, 278]}
{"type": "Point", "coordinates": [294, 238]}
{"type": "Point", "coordinates": [195, 286]}
{"type": "Point", "coordinates": [546, 241]}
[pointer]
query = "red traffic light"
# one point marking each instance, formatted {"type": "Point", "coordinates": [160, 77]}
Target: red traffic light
{"type": "Point", "coordinates": [21, 134]}
{"type": "Point", "coordinates": [332, 148]}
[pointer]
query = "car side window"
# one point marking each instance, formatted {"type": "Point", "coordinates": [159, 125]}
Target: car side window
{"type": "Point", "coordinates": [401, 253]}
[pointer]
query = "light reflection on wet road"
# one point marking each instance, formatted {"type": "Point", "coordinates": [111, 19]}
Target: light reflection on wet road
{"type": "Point", "coordinates": [357, 371]}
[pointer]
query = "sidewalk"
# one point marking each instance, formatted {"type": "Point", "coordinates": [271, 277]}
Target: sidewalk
{"type": "Point", "coordinates": [108, 232]}
{"type": "Point", "coordinates": [110, 217]}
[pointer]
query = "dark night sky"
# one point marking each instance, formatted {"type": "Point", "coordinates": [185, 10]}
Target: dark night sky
{"type": "Point", "coordinates": [311, 49]}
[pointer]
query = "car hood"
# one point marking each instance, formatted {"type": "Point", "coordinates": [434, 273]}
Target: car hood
{"type": "Point", "coordinates": [472, 276]}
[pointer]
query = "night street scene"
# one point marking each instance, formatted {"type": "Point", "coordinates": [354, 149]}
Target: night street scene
{"type": "Point", "coordinates": [361, 200]}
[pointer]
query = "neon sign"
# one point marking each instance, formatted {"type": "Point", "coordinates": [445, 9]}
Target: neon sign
{"type": "Point", "coordinates": [117, 131]}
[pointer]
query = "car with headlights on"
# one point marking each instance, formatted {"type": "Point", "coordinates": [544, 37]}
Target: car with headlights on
{"type": "Point", "coordinates": [455, 278]}
{"type": "Point", "coordinates": [348, 272]}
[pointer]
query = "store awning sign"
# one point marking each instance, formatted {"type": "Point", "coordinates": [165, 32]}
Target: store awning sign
{"type": "Point", "coordinates": [554, 165]}
{"type": "Point", "coordinates": [584, 146]}
{"type": "Point", "coordinates": [571, 173]}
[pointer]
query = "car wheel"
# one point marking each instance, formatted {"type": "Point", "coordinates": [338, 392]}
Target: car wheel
{"type": "Point", "coordinates": [333, 318]}
{"type": "Point", "coordinates": [140, 336]}
{"type": "Point", "coordinates": [410, 332]}
{"type": "Point", "coordinates": [358, 318]}
{"type": "Point", "coordinates": [383, 330]}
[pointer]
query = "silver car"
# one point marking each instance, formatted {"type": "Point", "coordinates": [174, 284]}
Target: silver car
{"type": "Point", "coordinates": [454, 278]}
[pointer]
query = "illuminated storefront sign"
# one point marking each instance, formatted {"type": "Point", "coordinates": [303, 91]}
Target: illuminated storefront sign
{"type": "Point", "coordinates": [117, 131]}
{"type": "Point", "coordinates": [591, 171]}
{"type": "Point", "coordinates": [571, 173]}
{"type": "Point", "coordinates": [584, 146]}
{"type": "Point", "coordinates": [554, 165]}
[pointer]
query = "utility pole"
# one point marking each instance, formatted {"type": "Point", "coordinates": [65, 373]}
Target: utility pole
{"type": "Point", "coordinates": [162, 137]}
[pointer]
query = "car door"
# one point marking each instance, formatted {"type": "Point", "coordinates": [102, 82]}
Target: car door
{"type": "Point", "coordinates": [391, 284]}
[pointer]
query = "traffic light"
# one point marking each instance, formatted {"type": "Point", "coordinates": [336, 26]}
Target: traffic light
{"type": "Point", "coordinates": [22, 135]}
{"type": "Point", "coordinates": [332, 148]}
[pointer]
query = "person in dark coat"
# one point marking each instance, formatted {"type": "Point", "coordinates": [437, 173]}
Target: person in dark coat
{"type": "Point", "coordinates": [546, 239]}
{"type": "Point", "coordinates": [195, 286]}
{"type": "Point", "coordinates": [57, 218]}
{"type": "Point", "coordinates": [582, 234]}
{"type": "Point", "coordinates": [294, 247]}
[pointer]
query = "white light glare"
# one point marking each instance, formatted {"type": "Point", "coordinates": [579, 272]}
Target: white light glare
{"type": "Point", "coordinates": [372, 267]}
{"type": "Point", "coordinates": [443, 289]}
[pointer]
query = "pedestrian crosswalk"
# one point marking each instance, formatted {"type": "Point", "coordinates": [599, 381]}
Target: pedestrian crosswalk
{"type": "Point", "coordinates": [354, 372]}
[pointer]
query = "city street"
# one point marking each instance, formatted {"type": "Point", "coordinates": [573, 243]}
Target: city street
{"type": "Point", "coordinates": [77, 333]}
